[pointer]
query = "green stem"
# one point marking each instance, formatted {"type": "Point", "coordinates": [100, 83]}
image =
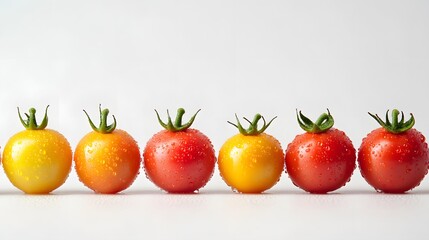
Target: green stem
{"type": "Point", "coordinates": [30, 122]}
{"type": "Point", "coordinates": [253, 125]}
{"type": "Point", "coordinates": [322, 124]}
{"type": "Point", "coordinates": [103, 127]}
{"type": "Point", "coordinates": [395, 126]}
{"type": "Point", "coordinates": [179, 116]}
{"type": "Point", "coordinates": [177, 126]}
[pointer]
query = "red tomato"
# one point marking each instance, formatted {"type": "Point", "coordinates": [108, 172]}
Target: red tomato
{"type": "Point", "coordinates": [179, 159]}
{"type": "Point", "coordinates": [322, 159]}
{"type": "Point", "coordinates": [394, 162]}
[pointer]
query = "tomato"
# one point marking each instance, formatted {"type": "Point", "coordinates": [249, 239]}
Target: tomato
{"type": "Point", "coordinates": [107, 160]}
{"type": "Point", "coordinates": [322, 159]}
{"type": "Point", "coordinates": [37, 160]}
{"type": "Point", "coordinates": [179, 159]}
{"type": "Point", "coordinates": [395, 157]}
{"type": "Point", "coordinates": [251, 161]}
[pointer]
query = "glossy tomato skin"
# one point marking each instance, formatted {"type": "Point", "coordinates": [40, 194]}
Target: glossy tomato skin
{"type": "Point", "coordinates": [37, 161]}
{"type": "Point", "coordinates": [320, 162]}
{"type": "Point", "coordinates": [393, 163]}
{"type": "Point", "coordinates": [179, 162]}
{"type": "Point", "coordinates": [107, 163]}
{"type": "Point", "coordinates": [251, 164]}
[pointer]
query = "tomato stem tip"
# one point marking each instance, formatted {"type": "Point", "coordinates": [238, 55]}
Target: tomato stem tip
{"type": "Point", "coordinates": [103, 127]}
{"type": "Point", "coordinates": [395, 126]}
{"type": "Point", "coordinates": [30, 122]}
{"type": "Point", "coordinates": [322, 124]}
{"type": "Point", "coordinates": [253, 125]}
{"type": "Point", "coordinates": [177, 126]}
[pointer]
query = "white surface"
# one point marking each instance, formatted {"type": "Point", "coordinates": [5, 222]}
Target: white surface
{"type": "Point", "coordinates": [214, 215]}
{"type": "Point", "coordinates": [224, 57]}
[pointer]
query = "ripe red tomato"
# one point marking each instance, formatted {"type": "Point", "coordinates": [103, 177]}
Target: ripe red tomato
{"type": "Point", "coordinates": [179, 159]}
{"type": "Point", "coordinates": [395, 157]}
{"type": "Point", "coordinates": [322, 159]}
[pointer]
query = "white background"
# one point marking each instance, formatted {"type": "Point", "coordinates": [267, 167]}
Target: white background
{"type": "Point", "coordinates": [224, 57]}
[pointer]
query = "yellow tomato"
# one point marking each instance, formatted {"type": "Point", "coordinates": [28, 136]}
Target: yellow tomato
{"type": "Point", "coordinates": [37, 161]}
{"type": "Point", "coordinates": [252, 163]}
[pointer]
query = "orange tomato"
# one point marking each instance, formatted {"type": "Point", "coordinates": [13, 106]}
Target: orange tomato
{"type": "Point", "coordinates": [107, 160]}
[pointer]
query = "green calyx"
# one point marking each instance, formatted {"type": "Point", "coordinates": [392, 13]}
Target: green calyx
{"type": "Point", "coordinates": [103, 128]}
{"type": "Point", "coordinates": [177, 126]}
{"type": "Point", "coordinates": [322, 124]}
{"type": "Point", "coordinates": [30, 123]}
{"type": "Point", "coordinates": [396, 126]}
{"type": "Point", "coordinates": [253, 127]}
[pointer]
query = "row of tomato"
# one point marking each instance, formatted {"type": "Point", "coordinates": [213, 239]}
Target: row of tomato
{"type": "Point", "coordinates": [393, 158]}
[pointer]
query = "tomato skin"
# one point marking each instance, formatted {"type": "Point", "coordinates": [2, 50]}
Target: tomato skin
{"type": "Point", "coordinates": [107, 163]}
{"type": "Point", "coordinates": [37, 161]}
{"type": "Point", "coordinates": [320, 162]}
{"type": "Point", "coordinates": [251, 164]}
{"type": "Point", "coordinates": [179, 162]}
{"type": "Point", "coordinates": [393, 163]}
